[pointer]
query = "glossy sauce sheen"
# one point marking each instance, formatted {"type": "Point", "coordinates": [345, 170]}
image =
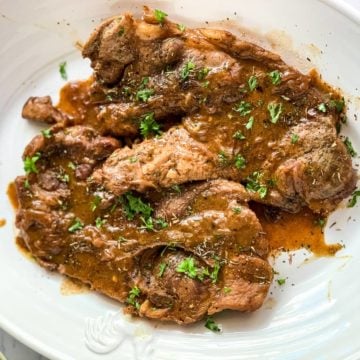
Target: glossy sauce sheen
{"type": "Point", "coordinates": [286, 232]}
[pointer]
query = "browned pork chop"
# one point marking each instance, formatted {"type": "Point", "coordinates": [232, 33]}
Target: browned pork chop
{"type": "Point", "coordinates": [212, 242]}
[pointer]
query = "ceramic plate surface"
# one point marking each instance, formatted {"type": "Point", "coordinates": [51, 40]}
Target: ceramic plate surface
{"type": "Point", "coordinates": [315, 315]}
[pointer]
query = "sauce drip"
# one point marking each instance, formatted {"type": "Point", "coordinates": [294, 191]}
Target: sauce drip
{"type": "Point", "coordinates": [11, 193]}
{"type": "Point", "coordinates": [286, 231]}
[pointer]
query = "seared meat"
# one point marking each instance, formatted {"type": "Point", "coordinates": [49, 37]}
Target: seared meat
{"type": "Point", "coordinates": [316, 171]}
{"type": "Point", "coordinates": [42, 109]}
{"type": "Point", "coordinates": [77, 228]}
{"type": "Point", "coordinates": [209, 122]}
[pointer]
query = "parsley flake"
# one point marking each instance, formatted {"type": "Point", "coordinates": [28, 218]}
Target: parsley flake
{"type": "Point", "coordinates": [77, 225]}
{"type": "Point", "coordinates": [134, 293]}
{"type": "Point", "coordinates": [186, 70]}
{"type": "Point", "coordinates": [294, 138]}
{"type": "Point", "coordinates": [322, 107]}
{"type": "Point", "coordinates": [187, 266]}
{"type": "Point", "coordinates": [148, 125]}
{"type": "Point", "coordinates": [352, 202]}
{"type": "Point", "coordinates": [250, 123]}
{"type": "Point", "coordinates": [253, 82]}
{"type": "Point", "coordinates": [212, 325]}
{"type": "Point", "coordinates": [350, 147]}
{"type": "Point", "coordinates": [275, 77]}
{"type": "Point", "coordinates": [30, 163]}
{"type": "Point", "coordinates": [240, 162]}
{"type": "Point", "coordinates": [281, 281]}
{"type": "Point", "coordinates": [254, 184]}
{"type": "Point", "coordinates": [144, 94]}
{"type": "Point", "coordinates": [160, 15]}
{"type": "Point", "coordinates": [243, 108]}
{"type": "Point", "coordinates": [238, 135]}
{"type": "Point", "coordinates": [63, 71]}
{"type": "Point", "coordinates": [46, 133]}
{"type": "Point", "coordinates": [162, 268]}
{"type": "Point", "coordinates": [275, 111]}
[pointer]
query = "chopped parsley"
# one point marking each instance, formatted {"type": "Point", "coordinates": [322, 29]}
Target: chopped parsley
{"type": "Point", "coordinates": [144, 82]}
{"type": "Point", "coordinates": [211, 324]}
{"type": "Point", "coordinates": [71, 165]}
{"type": "Point", "coordinates": [134, 293]}
{"type": "Point", "coordinates": [253, 82]}
{"type": "Point", "coordinates": [186, 70]}
{"type": "Point", "coordinates": [294, 138]}
{"type": "Point", "coordinates": [205, 84]}
{"type": "Point", "coordinates": [238, 135]}
{"type": "Point", "coordinates": [62, 70]}
{"type": "Point", "coordinates": [144, 94]}
{"type": "Point", "coordinates": [46, 133]}
{"type": "Point", "coordinates": [148, 223]}
{"type": "Point", "coordinates": [350, 147]}
{"type": "Point", "coordinates": [320, 222]}
{"type": "Point", "coordinates": [250, 123]}
{"type": "Point", "coordinates": [215, 273]}
{"type": "Point", "coordinates": [133, 205]}
{"type": "Point", "coordinates": [237, 210]}
{"type": "Point", "coordinates": [275, 77]}
{"type": "Point", "coordinates": [160, 16]}
{"type": "Point", "coordinates": [176, 188]}
{"type": "Point", "coordinates": [275, 111]}
{"type": "Point", "coordinates": [243, 108]}
{"type": "Point", "coordinates": [337, 104]}
{"type": "Point", "coordinates": [240, 162]}
{"type": "Point", "coordinates": [148, 125]}
{"type": "Point", "coordinates": [223, 158]}
{"type": "Point", "coordinates": [187, 266]}
{"type": "Point", "coordinates": [181, 27]}
{"type": "Point", "coordinates": [27, 184]}
{"type": "Point", "coordinates": [281, 281]}
{"type": "Point", "coordinates": [30, 163]}
{"type": "Point", "coordinates": [65, 178]}
{"type": "Point", "coordinates": [133, 159]}
{"type": "Point", "coordinates": [203, 73]}
{"type": "Point", "coordinates": [352, 202]}
{"type": "Point", "coordinates": [322, 107]}
{"type": "Point", "coordinates": [95, 203]}
{"type": "Point", "coordinates": [121, 31]}
{"type": "Point", "coordinates": [162, 268]}
{"type": "Point", "coordinates": [161, 223]}
{"type": "Point", "coordinates": [99, 222]}
{"type": "Point", "coordinates": [76, 225]}
{"type": "Point", "coordinates": [227, 290]}
{"type": "Point", "coordinates": [254, 184]}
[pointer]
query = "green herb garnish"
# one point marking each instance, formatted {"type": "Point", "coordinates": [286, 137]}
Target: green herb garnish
{"type": "Point", "coordinates": [281, 281]}
{"type": "Point", "coordinates": [30, 163]}
{"type": "Point", "coordinates": [203, 73]}
{"type": "Point", "coordinates": [240, 162]}
{"type": "Point", "coordinates": [352, 202]}
{"type": "Point", "coordinates": [211, 324]}
{"type": "Point", "coordinates": [121, 32]}
{"type": "Point", "coordinates": [95, 203]}
{"type": "Point", "coordinates": [133, 294]}
{"type": "Point", "coordinates": [294, 138]}
{"type": "Point", "coordinates": [62, 70]}
{"type": "Point", "coordinates": [227, 290]}
{"type": "Point", "coordinates": [275, 111]}
{"type": "Point", "coordinates": [250, 123]}
{"type": "Point", "coordinates": [275, 77]}
{"type": "Point", "coordinates": [223, 158]}
{"type": "Point", "coordinates": [238, 135]}
{"type": "Point", "coordinates": [46, 133]}
{"type": "Point", "coordinates": [71, 165]}
{"type": "Point", "coordinates": [186, 70]}
{"type": "Point", "coordinates": [162, 268]}
{"type": "Point", "coordinates": [254, 184]}
{"type": "Point", "coordinates": [337, 104]}
{"type": "Point", "coordinates": [237, 210]}
{"type": "Point", "coordinates": [350, 147]}
{"type": "Point", "coordinates": [181, 27]}
{"type": "Point", "coordinates": [144, 94]}
{"type": "Point", "coordinates": [253, 82]}
{"type": "Point", "coordinates": [99, 222]}
{"type": "Point", "coordinates": [77, 225]}
{"type": "Point", "coordinates": [322, 107]}
{"type": "Point", "coordinates": [133, 205]}
{"type": "Point", "coordinates": [187, 266]}
{"type": "Point", "coordinates": [160, 15]}
{"type": "Point", "coordinates": [243, 108]}
{"type": "Point", "coordinates": [148, 125]}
